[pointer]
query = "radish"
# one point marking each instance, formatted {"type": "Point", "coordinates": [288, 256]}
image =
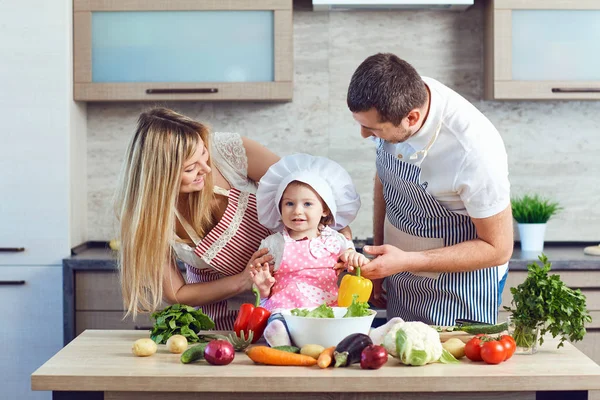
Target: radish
{"type": "Point", "coordinates": [219, 352]}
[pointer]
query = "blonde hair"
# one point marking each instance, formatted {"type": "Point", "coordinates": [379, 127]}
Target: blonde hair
{"type": "Point", "coordinates": [147, 198]}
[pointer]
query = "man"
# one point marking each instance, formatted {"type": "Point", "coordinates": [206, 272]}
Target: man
{"type": "Point", "coordinates": [442, 217]}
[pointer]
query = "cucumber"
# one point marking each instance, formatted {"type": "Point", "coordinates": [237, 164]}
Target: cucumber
{"type": "Point", "coordinates": [475, 329]}
{"type": "Point", "coordinates": [289, 349]}
{"type": "Point", "coordinates": [193, 353]}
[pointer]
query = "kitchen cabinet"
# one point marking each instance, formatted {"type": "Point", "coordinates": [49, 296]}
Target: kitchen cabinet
{"type": "Point", "coordinates": [93, 301]}
{"type": "Point", "coordinates": [42, 182]}
{"type": "Point", "coordinates": [589, 283]}
{"type": "Point", "coordinates": [148, 50]}
{"type": "Point", "coordinates": [542, 49]}
{"type": "Point", "coordinates": [31, 309]}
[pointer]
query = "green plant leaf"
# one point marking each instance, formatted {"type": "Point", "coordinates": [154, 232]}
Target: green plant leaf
{"type": "Point", "coordinates": [179, 319]}
{"type": "Point", "coordinates": [533, 209]}
{"type": "Point", "coordinates": [544, 301]}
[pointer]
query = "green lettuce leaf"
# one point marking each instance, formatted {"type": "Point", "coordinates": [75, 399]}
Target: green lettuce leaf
{"type": "Point", "coordinates": [357, 308]}
{"type": "Point", "coordinates": [323, 311]}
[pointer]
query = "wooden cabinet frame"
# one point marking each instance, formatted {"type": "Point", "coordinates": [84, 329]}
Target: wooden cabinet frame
{"type": "Point", "coordinates": [499, 84]}
{"type": "Point", "coordinates": [280, 89]}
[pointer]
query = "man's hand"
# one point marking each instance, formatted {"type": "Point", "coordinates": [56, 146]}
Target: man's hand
{"type": "Point", "coordinates": [389, 261]}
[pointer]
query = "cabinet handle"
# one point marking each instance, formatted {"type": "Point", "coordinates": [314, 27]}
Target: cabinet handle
{"type": "Point", "coordinates": [11, 283]}
{"type": "Point", "coordinates": [142, 328]}
{"type": "Point", "coordinates": [575, 90]}
{"type": "Point", "coordinates": [12, 249]}
{"type": "Point", "coordinates": [592, 329]}
{"type": "Point", "coordinates": [181, 91]}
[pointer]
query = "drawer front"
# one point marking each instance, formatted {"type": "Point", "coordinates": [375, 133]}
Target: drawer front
{"type": "Point", "coordinates": [99, 291]}
{"type": "Point", "coordinates": [591, 327]}
{"type": "Point", "coordinates": [110, 320]}
{"type": "Point", "coordinates": [588, 282]}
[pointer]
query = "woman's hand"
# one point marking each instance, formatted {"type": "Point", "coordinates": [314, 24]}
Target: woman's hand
{"type": "Point", "coordinates": [258, 258]}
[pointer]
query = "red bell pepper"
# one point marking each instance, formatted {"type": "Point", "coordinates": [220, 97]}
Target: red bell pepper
{"type": "Point", "coordinates": [252, 317]}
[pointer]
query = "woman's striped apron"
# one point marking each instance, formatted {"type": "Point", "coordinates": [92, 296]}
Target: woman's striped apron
{"type": "Point", "coordinates": [415, 220]}
{"type": "Point", "coordinates": [227, 248]}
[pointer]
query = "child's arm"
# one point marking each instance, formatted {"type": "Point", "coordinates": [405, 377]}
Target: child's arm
{"type": "Point", "coordinates": [261, 274]}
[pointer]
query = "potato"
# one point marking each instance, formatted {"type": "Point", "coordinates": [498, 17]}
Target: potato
{"type": "Point", "coordinates": [177, 344]}
{"type": "Point", "coordinates": [312, 350]}
{"type": "Point", "coordinates": [455, 346]}
{"type": "Point", "coordinates": [144, 347]}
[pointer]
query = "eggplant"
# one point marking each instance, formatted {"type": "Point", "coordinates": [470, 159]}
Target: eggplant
{"type": "Point", "coordinates": [348, 351]}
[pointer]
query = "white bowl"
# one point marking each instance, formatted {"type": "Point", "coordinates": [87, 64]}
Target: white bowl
{"type": "Point", "coordinates": [326, 332]}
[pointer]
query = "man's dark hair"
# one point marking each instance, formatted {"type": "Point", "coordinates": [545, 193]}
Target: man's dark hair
{"type": "Point", "coordinates": [389, 84]}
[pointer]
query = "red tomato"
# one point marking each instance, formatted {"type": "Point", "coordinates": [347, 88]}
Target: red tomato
{"type": "Point", "coordinates": [509, 344]}
{"type": "Point", "coordinates": [493, 352]}
{"type": "Point", "coordinates": [473, 349]}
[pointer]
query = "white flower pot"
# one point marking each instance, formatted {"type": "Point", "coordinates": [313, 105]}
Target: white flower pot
{"type": "Point", "coordinates": [532, 237]}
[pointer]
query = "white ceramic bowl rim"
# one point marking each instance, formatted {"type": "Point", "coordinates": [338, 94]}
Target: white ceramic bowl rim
{"type": "Point", "coordinates": [336, 310]}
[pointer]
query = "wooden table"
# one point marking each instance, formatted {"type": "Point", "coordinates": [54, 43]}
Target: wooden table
{"type": "Point", "coordinates": [101, 361]}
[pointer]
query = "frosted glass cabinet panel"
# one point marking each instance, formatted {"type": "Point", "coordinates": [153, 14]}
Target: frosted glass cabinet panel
{"type": "Point", "coordinates": [182, 46]}
{"type": "Point", "coordinates": [181, 50]}
{"type": "Point", "coordinates": [542, 49]}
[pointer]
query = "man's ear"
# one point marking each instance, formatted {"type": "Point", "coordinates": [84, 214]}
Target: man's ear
{"type": "Point", "coordinates": [413, 117]}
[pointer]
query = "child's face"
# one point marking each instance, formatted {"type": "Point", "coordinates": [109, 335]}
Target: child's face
{"type": "Point", "coordinates": [301, 210]}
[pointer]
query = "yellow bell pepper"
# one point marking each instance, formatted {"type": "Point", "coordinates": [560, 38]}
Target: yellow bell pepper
{"type": "Point", "coordinates": [354, 284]}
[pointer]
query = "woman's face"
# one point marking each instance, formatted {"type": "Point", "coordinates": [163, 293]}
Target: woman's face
{"type": "Point", "coordinates": [195, 170]}
{"type": "Point", "coordinates": [301, 211]}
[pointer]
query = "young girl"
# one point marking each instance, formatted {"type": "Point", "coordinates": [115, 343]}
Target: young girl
{"type": "Point", "coordinates": [302, 197]}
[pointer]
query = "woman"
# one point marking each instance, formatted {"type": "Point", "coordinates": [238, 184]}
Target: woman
{"type": "Point", "coordinates": [187, 194]}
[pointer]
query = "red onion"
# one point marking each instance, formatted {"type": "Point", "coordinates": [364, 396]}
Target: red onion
{"type": "Point", "coordinates": [219, 352]}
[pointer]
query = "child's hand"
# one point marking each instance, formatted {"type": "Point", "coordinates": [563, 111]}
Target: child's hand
{"type": "Point", "coordinates": [356, 259]}
{"type": "Point", "coordinates": [262, 279]}
{"type": "Point", "coordinates": [351, 259]}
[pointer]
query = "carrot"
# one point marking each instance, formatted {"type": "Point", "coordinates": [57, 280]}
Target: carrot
{"type": "Point", "coordinates": [270, 356]}
{"type": "Point", "coordinates": [325, 357]}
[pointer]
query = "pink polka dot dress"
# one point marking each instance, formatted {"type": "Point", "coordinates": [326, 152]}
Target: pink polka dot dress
{"type": "Point", "coordinates": [305, 277]}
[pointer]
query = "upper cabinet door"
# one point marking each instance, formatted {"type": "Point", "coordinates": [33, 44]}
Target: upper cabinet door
{"type": "Point", "coordinates": [542, 49]}
{"type": "Point", "coordinates": [181, 50]}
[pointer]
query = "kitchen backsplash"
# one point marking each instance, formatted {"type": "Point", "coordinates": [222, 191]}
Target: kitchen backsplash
{"type": "Point", "coordinates": [553, 146]}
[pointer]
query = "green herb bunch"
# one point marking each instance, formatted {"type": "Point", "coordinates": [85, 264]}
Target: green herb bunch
{"type": "Point", "coordinates": [179, 319]}
{"type": "Point", "coordinates": [544, 301]}
{"type": "Point", "coordinates": [533, 209]}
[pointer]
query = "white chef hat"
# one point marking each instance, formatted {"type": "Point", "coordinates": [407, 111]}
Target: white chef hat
{"type": "Point", "coordinates": [325, 176]}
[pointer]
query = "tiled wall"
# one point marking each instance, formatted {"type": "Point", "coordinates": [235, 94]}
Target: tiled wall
{"type": "Point", "coordinates": [553, 146]}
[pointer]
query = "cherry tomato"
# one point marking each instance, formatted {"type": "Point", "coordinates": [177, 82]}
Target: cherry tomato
{"type": "Point", "coordinates": [493, 352]}
{"type": "Point", "coordinates": [509, 344]}
{"type": "Point", "coordinates": [473, 349]}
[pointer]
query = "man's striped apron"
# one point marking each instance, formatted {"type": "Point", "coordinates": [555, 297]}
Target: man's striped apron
{"type": "Point", "coordinates": [415, 221]}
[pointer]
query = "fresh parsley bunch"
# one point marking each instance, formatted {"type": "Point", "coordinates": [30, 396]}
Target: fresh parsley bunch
{"type": "Point", "coordinates": [179, 319]}
{"type": "Point", "coordinates": [544, 301]}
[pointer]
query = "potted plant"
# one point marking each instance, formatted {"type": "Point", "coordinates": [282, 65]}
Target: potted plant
{"type": "Point", "coordinates": [543, 303]}
{"type": "Point", "coordinates": [532, 212]}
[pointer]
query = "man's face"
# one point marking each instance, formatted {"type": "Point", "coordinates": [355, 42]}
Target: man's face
{"type": "Point", "coordinates": [370, 125]}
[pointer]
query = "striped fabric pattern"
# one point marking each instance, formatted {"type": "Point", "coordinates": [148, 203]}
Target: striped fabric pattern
{"type": "Point", "coordinates": [227, 248]}
{"type": "Point", "coordinates": [468, 295]}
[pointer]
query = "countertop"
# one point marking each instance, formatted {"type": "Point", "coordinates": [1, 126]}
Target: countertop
{"type": "Point", "coordinates": [101, 360]}
{"type": "Point", "coordinates": [562, 255]}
